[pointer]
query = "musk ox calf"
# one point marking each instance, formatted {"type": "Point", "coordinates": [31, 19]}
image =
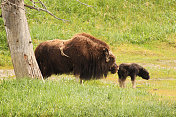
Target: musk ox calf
{"type": "Point", "coordinates": [83, 55]}
{"type": "Point", "coordinates": [131, 70]}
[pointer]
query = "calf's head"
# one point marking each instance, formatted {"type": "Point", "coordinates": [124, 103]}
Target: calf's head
{"type": "Point", "coordinates": [144, 74]}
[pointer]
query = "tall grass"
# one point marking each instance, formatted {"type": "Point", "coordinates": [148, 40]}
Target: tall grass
{"type": "Point", "coordinates": [68, 98]}
{"type": "Point", "coordinates": [114, 21]}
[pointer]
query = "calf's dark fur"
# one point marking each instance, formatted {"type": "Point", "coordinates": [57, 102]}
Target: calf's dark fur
{"type": "Point", "coordinates": [131, 70]}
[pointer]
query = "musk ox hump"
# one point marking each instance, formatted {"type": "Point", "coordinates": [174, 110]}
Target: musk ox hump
{"type": "Point", "coordinates": [60, 44]}
{"type": "Point", "coordinates": [90, 45]}
{"type": "Point", "coordinates": [94, 39]}
{"type": "Point", "coordinates": [89, 57]}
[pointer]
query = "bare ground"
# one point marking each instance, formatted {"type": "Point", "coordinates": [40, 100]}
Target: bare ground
{"type": "Point", "coordinates": [7, 73]}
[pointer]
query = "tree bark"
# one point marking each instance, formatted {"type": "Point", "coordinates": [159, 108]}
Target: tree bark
{"type": "Point", "coordinates": [19, 39]}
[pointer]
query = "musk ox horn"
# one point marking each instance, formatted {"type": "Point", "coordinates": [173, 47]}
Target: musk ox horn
{"type": "Point", "coordinates": [106, 53]}
{"type": "Point", "coordinates": [107, 59]}
{"type": "Point", "coordinates": [62, 50]}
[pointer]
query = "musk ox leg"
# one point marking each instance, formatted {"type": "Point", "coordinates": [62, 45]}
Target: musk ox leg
{"type": "Point", "coordinates": [133, 84]}
{"type": "Point", "coordinates": [81, 81]}
{"type": "Point", "coordinates": [78, 79]}
{"type": "Point", "coordinates": [122, 82]}
{"type": "Point", "coordinates": [122, 78]}
{"type": "Point", "coordinates": [133, 78]}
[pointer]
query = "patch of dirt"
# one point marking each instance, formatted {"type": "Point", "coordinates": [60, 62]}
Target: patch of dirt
{"type": "Point", "coordinates": [7, 73]}
{"type": "Point", "coordinates": [161, 64]}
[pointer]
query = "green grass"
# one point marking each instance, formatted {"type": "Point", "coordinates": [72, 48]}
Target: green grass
{"type": "Point", "coordinates": [65, 97]}
{"type": "Point", "coordinates": [116, 22]}
{"type": "Point", "coordinates": [113, 21]}
{"type": "Point", "coordinates": [137, 31]}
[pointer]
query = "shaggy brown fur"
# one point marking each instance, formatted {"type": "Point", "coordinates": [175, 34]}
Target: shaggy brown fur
{"type": "Point", "coordinates": [131, 70]}
{"type": "Point", "coordinates": [83, 55]}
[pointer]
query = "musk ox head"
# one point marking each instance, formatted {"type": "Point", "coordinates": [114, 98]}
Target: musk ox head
{"type": "Point", "coordinates": [110, 63]}
{"type": "Point", "coordinates": [114, 68]}
{"type": "Point", "coordinates": [83, 55]}
{"type": "Point", "coordinates": [144, 73]}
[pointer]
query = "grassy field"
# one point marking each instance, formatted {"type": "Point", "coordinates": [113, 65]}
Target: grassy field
{"type": "Point", "coordinates": [139, 31]}
{"type": "Point", "coordinates": [65, 97]}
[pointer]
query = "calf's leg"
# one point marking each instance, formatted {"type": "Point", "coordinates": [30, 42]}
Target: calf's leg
{"type": "Point", "coordinates": [133, 78]}
{"type": "Point", "coordinates": [122, 82]}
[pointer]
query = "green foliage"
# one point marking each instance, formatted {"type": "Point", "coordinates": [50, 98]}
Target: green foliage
{"type": "Point", "coordinates": [4, 52]}
{"type": "Point", "coordinates": [113, 21]}
{"type": "Point", "coordinates": [65, 97]}
{"type": "Point", "coordinates": [3, 40]}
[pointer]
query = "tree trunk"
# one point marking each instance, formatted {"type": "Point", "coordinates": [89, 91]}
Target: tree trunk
{"type": "Point", "coordinates": [19, 40]}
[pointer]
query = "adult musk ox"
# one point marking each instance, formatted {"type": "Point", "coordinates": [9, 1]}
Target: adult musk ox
{"type": "Point", "coordinates": [131, 70]}
{"type": "Point", "coordinates": [83, 55]}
